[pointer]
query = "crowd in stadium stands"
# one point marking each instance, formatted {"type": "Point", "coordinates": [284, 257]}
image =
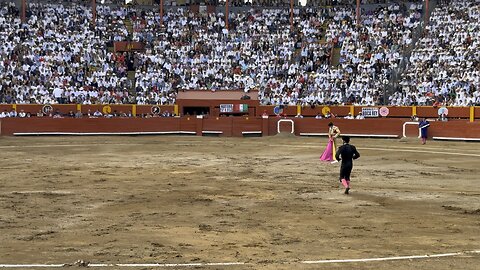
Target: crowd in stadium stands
{"type": "Point", "coordinates": [58, 57]}
{"type": "Point", "coordinates": [79, 114]}
{"type": "Point", "coordinates": [375, 50]}
{"type": "Point", "coordinates": [258, 52]}
{"type": "Point", "coordinates": [283, 3]}
{"type": "Point", "coordinates": [445, 66]}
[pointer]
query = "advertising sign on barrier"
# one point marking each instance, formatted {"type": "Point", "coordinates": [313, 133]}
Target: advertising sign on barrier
{"type": "Point", "coordinates": [443, 110]}
{"type": "Point", "coordinates": [107, 109]}
{"type": "Point", "coordinates": [240, 108]}
{"type": "Point", "coordinates": [226, 108]}
{"type": "Point", "coordinates": [233, 108]}
{"type": "Point", "coordinates": [278, 110]}
{"type": "Point", "coordinates": [325, 110]}
{"type": "Point", "coordinates": [156, 110]}
{"type": "Point", "coordinates": [384, 111]}
{"type": "Point", "coordinates": [370, 112]}
{"type": "Point", "coordinates": [47, 109]}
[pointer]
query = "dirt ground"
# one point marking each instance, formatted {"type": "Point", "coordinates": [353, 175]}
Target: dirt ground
{"type": "Point", "coordinates": [266, 202]}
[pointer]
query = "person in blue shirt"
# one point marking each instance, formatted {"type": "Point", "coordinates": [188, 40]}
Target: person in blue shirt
{"type": "Point", "coordinates": [423, 126]}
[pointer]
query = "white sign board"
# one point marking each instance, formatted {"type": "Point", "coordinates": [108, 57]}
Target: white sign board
{"type": "Point", "coordinates": [370, 112]}
{"type": "Point", "coordinates": [226, 108]}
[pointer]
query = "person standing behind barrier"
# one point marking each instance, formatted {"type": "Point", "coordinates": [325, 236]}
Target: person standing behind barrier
{"type": "Point", "coordinates": [423, 126]}
{"type": "Point", "coordinates": [346, 153]}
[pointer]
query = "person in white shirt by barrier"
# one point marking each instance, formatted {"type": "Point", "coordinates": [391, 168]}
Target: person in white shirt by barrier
{"type": "Point", "coordinates": [360, 116]}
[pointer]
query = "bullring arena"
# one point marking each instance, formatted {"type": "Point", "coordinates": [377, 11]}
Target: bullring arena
{"type": "Point", "coordinates": [237, 203]}
{"type": "Point", "coordinates": [175, 134]}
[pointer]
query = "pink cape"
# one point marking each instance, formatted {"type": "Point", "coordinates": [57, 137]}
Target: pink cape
{"type": "Point", "coordinates": [329, 153]}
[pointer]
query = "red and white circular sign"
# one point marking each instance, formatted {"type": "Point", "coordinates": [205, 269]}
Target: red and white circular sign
{"type": "Point", "coordinates": [384, 111]}
{"type": "Point", "coordinates": [443, 110]}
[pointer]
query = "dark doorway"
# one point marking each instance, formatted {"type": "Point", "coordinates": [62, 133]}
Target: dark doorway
{"type": "Point", "coordinates": [196, 110]}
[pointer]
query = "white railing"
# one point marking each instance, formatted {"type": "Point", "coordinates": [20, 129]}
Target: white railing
{"type": "Point", "coordinates": [411, 123]}
{"type": "Point", "coordinates": [286, 120]}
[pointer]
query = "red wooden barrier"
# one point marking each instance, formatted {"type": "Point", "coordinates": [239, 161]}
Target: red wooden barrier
{"type": "Point", "coordinates": [232, 126]}
{"type": "Point", "coordinates": [253, 109]}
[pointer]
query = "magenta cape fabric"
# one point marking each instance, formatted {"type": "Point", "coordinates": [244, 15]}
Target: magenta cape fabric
{"type": "Point", "coordinates": [328, 154]}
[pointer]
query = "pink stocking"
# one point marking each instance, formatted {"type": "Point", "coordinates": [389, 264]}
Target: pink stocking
{"type": "Point", "coordinates": [345, 183]}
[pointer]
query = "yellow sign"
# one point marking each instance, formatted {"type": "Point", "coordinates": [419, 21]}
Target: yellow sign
{"type": "Point", "coordinates": [107, 109]}
{"type": "Point", "coordinates": [325, 110]}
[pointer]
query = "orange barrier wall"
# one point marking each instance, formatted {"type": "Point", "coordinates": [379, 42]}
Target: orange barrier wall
{"type": "Point", "coordinates": [66, 108]}
{"type": "Point", "coordinates": [19, 125]}
{"type": "Point", "coordinates": [232, 126]}
{"type": "Point", "coordinates": [394, 112]}
{"type": "Point", "coordinates": [367, 126]}
{"type": "Point", "coordinates": [254, 110]}
{"type": "Point", "coordinates": [458, 128]}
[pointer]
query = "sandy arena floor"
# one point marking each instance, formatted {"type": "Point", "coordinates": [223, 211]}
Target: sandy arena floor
{"type": "Point", "coordinates": [262, 203]}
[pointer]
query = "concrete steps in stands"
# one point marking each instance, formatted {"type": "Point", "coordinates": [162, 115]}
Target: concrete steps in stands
{"type": "Point", "coordinates": [131, 75]}
{"type": "Point", "coordinates": [129, 25]}
{"type": "Point", "coordinates": [324, 32]}
{"type": "Point", "coordinates": [336, 57]}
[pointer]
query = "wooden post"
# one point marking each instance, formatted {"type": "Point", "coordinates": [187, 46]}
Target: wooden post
{"type": "Point", "coordinates": [226, 14]}
{"type": "Point", "coordinates": [23, 14]}
{"type": "Point", "coordinates": [472, 114]}
{"type": "Point", "coordinates": [291, 14]}
{"type": "Point", "coordinates": [175, 110]}
{"type": "Point", "coordinates": [358, 12]}
{"type": "Point", "coordinates": [161, 12]}
{"type": "Point", "coordinates": [134, 110]}
{"type": "Point", "coordinates": [94, 13]}
{"type": "Point", "coordinates": [426, 11]}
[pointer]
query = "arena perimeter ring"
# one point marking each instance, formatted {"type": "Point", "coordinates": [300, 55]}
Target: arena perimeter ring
{"type": "Point", "coordinates": [458, 204]}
